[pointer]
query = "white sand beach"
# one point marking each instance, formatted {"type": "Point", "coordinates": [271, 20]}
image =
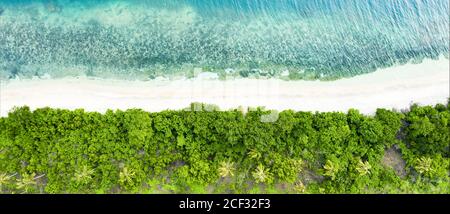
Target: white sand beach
{"type": "Point", "coordinates": [396, 87]}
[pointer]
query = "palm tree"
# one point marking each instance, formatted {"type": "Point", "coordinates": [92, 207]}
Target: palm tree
{"type": "Point", "coordinates": [260, 174]}
{"type": "Point", "coordinates": [83, 175]}
{"type": "Point", "coordinates": [254, 154]}
{"type": "Point", "coordinates": [226, 169]}
{"type": "Point", "coordinates": [4, 179]}
{"type": "Point", "coordinates": [423, 165]}
{"type": "Point", "coordinates": [331, 169]}
{"type": "Point", "coordinates": [27, 182]}
{"type": "Point", "coordinates": [126, 175]}
{"type": "Point", "coordinates": [363, 168]}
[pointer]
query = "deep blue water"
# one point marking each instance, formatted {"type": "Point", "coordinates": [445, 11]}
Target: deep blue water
{"type": "Point", "coordinates": [149, 38]}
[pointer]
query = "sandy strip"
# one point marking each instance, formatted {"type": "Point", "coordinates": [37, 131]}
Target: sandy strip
{"type": "Point", "coordinates": [395, 87]}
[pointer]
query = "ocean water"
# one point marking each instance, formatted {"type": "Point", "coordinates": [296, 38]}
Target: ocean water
{"type": "Point", "coordinates": [147, 39]}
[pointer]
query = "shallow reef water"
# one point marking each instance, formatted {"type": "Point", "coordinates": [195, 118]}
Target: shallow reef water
{"type": "Point", "coordinates": [291, 39]}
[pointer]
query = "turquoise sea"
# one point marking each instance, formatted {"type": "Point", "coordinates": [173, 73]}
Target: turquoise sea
{"type": "Point", "coordinates": [146, 39]}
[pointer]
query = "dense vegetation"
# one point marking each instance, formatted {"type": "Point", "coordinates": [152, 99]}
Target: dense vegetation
{"type": "Point", "coordinates": [195, 150]}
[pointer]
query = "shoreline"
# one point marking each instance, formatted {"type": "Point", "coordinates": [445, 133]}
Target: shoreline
{"type": "Point", "coordinates": [396, 87]}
